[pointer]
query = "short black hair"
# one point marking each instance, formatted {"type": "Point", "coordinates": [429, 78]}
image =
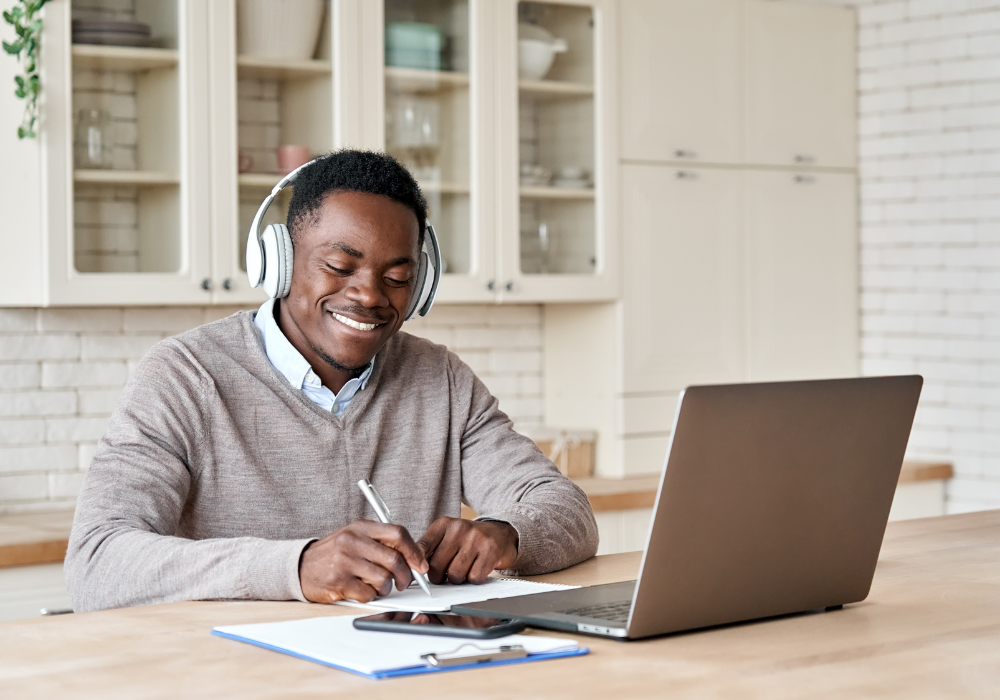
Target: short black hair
{"type": "Point", "coordinates": [350, 170]}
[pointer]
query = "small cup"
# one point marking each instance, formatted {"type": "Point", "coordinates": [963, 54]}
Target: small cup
{"type": "Point", "coordinates": [245, 161]}
{"type": "Point", "coordinates": [291, 157]}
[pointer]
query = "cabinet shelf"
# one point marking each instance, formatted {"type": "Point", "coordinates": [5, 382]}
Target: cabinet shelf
{"type": "Point", "coordinates": [262, 180]}
{"type": "Point", "coordinates": [125, 177]}
{"type": "Point", "coordinates": [444, 187]}
{"type": "Point", "coordinates": [281, 68]}
{"type": "Point", "coordinates": [417, 80]}
{"type": "Point", "coordinates": [555, 88]}
{"type": "Point", "coordinates": [557, 193]}
{"type": "Point", "coordinates": [126, 58]}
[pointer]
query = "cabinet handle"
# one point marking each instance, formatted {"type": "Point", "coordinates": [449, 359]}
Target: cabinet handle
{"type": "Point", "coordinates": [804, 179]}
{"type": "Point", "coordinates": [491, 286]}
{"type": "Point", "coordinates": [509, 286]}
{"type": "Point", "coordinates": [682, 153]}
{"type": "Point", "coordinates": [685, 175]}
{"type": "Point", "coordinates": [206, 284]}
{"type": "Point", "coordinates": [227, 284]}
{"type": "Point", "coordinates": [804, 159]}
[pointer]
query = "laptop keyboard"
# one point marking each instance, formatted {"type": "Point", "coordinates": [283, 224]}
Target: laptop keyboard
{"type": "Point", "coordinates": [612, 612]}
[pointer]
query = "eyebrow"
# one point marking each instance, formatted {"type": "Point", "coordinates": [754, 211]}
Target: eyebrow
{"type": "Point", "coordinates": [354, 253]}
{"type": "Point", "coordinates": [344, 248]}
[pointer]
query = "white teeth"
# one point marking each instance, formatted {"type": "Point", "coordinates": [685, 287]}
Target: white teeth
{"type": "Point", "coordinates": [356, 324]}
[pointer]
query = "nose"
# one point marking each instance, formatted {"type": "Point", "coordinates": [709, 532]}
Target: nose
{"type": "Point", "coordinates": [366, 289]}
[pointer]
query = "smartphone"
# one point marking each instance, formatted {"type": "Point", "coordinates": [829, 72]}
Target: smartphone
{"type": "Point", "coordinates": [439, 624]}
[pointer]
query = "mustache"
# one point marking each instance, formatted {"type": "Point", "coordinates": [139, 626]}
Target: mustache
{"type": "Point", "coordinates": [359, 312]}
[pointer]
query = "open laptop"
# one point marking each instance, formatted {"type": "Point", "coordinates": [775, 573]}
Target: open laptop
{"type": "Point", "coordinates": [774, 500]}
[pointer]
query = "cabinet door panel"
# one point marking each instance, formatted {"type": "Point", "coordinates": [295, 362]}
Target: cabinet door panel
{"type": "Point", "coordinates": [800, 84]}
{"type": "Point", "coordinates": [803, 278]}
{"type": "Point", "coordinates": [682, 309]}
{"type": "Point", "coordinates": [681, 80]}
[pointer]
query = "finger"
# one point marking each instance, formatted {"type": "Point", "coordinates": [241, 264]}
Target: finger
{"type": "Point", "coordinates": [430, 540]}
{"type": "Point", "coordinates": [483, 566]}
{"type": "Point", "coordinates": [358, 590]}
{"type": "Point", "coordinates": [390, 560]}
{"type": "Point", "coordinates": [441, 560]}
{"type": "Point", "coordinates": [458, 570]}
{"type": "Point", "coordinates": [398, 538]}
{"type": "Point", "coordinates": [375, 576]}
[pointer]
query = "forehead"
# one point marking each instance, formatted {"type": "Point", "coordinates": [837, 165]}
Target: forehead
{"type": "Point", "coordinates": [366, 221]}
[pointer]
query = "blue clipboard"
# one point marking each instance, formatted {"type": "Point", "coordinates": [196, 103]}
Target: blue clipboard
{"type": "Point", "coordinates": [410, 670]}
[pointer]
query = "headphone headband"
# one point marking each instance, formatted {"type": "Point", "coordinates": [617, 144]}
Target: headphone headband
{"type": "Point", "coordinates": [269, 255]}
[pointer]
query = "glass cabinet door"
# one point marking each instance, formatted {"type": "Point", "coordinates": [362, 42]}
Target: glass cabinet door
{"type": "Point", "coordinates": [125, 137]}
{"type": "Point", "coordinates": [430, 85]}
{"type": "Point", "coordinates": [279, 114]}
{"type": "Point", "coordinates": [123, 156]}
{"type": "Point", "coordinates": [558, 248]}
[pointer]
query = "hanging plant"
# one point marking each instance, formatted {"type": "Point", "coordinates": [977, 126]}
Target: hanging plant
{"type": "Point", "coordinates": [25, 47]}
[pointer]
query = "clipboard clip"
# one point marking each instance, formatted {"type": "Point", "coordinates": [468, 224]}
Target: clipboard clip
{"type": "Point", "coordinates": [454, 658]}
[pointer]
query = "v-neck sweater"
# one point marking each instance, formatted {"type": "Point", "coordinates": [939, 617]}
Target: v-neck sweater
{"type": "Point", "coordinates": [215, 473]}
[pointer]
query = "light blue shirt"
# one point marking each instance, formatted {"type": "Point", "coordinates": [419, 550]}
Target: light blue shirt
{"type": "Point", "coordinates": [296, 369]}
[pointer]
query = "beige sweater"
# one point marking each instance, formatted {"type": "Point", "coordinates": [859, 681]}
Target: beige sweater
{"type": "Point", "coordinates": [215, 472]}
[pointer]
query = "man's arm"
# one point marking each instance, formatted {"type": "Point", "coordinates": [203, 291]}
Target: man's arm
{"type": "Point", "coordinates": [505, 477]}
{"type": "Point", "coordinates": [123, 550]}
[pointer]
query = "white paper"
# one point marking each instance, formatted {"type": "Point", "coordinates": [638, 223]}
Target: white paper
{"type": "Point", "coordinates": [333, 640]}
{"type": "Point", "coordinates": [445, 595]}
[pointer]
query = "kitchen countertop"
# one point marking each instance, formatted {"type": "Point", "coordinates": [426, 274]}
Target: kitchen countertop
{"type": "Point", "coordinates": [41, 538]}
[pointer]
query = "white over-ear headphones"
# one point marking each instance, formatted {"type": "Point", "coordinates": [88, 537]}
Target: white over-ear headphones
{"type": "Point", "coordinates": [270, 256]}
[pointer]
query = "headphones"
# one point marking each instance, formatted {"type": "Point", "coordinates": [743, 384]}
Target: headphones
{"type": "Point", "coordinates": [270, 255]}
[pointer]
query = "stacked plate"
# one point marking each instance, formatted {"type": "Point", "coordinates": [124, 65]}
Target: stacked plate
{"type": "Point", "coordinates": [110, 33]}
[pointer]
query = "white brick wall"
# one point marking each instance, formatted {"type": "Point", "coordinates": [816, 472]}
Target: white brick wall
{"type": "Point", "coordinates": [62, 371]}
{"type": "Point", "coordinates": [929, 81]}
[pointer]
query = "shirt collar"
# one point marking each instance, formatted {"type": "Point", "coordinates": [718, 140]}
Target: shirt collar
{"type": "Point", "coordinates": [283, 355]}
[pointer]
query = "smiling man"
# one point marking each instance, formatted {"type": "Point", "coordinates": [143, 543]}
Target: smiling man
{"type": "Point", "coordinates": [229, 467]}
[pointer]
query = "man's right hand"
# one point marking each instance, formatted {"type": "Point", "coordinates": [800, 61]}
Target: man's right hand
{"type": "Point", "coordinates": [359, 562]}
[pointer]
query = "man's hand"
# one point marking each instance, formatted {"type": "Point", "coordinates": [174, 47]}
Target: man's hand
{"type": "Point", "coordinates": [359, 562]}
{"type": "Point", "coordinates": [468, 550]}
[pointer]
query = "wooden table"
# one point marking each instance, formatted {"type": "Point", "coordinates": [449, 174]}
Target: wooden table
{"type": "Point", "coordinates": [930, 628]}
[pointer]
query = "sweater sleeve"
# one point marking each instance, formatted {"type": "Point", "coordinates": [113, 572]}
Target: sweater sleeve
{"type": "Point", "coordinates": [123, 550]}
{"type": "Point", "coordinates": [506, 477]}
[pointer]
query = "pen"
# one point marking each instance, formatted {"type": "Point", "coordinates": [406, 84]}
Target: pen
{"type": "Point", "coordinates": [382, 511]}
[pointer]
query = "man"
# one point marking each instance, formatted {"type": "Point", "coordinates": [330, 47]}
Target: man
{"type": "Point", "coordinates": [229, 468]}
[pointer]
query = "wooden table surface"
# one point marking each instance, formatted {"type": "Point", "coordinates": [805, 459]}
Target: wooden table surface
{"type": "Point", "coordinates": [930, 628]}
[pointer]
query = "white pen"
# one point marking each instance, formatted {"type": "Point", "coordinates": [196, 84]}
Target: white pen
{"type": "Point", "coordinates": [382, 511]}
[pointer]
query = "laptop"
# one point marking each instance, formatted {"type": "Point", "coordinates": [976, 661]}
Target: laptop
{"type": "Point", "coordinates": [773, 500]}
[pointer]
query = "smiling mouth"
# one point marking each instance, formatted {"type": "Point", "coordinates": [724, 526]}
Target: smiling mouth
{"type": "Point", "coordinates": [358, 325]}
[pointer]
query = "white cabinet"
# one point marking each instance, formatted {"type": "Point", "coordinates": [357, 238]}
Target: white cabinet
{"type": "Point", "coordinates": [800, 68]}
{"type": "Point", "coordinates": [139, 231]}
{"type": "Point", "coordinates": [681, 80]}
{"type": "Point", "coordinates": [802, 275]}
{"type": "Point", "coordinates": [167, 222]}
{"type": "Point", "coordinates": [682, 296]}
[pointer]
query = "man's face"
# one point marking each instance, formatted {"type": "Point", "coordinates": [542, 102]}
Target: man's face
{"type": "Point", "coordinates": [353, 277]}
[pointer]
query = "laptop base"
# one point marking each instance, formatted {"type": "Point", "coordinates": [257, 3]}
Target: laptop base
{"type": "Point", "coordinates": [551, 610]}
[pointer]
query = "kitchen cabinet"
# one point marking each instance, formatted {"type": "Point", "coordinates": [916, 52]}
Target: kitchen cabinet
{"type": "Point", "coordinates": [800, 84]}
{"type": "Point", "coordinates": [802, 275]}
{"type": "Point", "coordinates": [137, 232]}
{"type": "Point", "coordinates": [202, 118]}
{"type": "Point", "coordinates": [681, 80]}
{"type": "Point", "coordinates": [683, 291]}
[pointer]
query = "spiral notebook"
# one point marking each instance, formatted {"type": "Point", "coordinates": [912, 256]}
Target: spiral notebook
{"type": "Point", "coordinates": [445, 595]}
{"type": "Point", "coordinates": [333, 641]}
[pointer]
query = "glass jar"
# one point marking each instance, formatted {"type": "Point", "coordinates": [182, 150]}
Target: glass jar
{"type": "Point", "coordinates": [93, 144]}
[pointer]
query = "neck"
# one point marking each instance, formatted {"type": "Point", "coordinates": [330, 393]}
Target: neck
{"type": "Point", "coordinates": [332, 377]}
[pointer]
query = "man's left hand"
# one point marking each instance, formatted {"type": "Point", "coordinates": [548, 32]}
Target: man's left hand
{"type": "Point", "coordinates": [467, 550]}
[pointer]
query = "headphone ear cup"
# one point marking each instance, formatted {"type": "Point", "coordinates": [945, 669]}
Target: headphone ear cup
{"type": "Point", "coordinates": [288, 260]}
{"type": "Point", "coordinates": [278, 260]}
{"type": "Point", "coordinates": [419, 288]}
